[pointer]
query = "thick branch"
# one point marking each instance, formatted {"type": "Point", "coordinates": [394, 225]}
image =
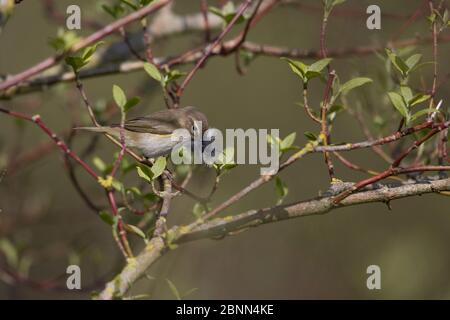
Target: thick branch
{"type": "Point", "coordinates": [221, 227]}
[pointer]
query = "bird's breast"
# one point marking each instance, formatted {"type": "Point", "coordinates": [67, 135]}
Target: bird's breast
{"type": "Point", "coordinates": [153, 145]}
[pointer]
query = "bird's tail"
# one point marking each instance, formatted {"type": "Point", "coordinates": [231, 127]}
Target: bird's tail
{"type": "Point", "coordinates": [107, 130]}
{"type": "Point", "coordinates": [93, 129]}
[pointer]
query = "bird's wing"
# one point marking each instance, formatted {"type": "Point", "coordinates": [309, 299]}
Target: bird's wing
{"type": "Point", "coordinates": [162, 122]}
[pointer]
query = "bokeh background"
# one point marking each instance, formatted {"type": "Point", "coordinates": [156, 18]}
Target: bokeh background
{"type": "Point", "coordinates": [320, 257]}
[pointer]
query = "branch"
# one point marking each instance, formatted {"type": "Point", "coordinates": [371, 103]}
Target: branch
{"type": "Point", "coordinates": [222, 50]}
{"type": "Point", "coordinates": [211, 47]}
{"type": "Point", "coordinates": [90, 40]}
{"type": "Point", "coordinates": [221, 227]}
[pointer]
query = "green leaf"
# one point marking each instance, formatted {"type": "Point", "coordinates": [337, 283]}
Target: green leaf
{"type": "Point", "coordinates": [319, 65]}
{"type": "Point", "coordinates": [119, 97]}
{"type": "Point", "coordinates": [135, 191]}
{"type": "Point", "coordinates": [247, 56]}
{"type": "Point", "coordinates": [227, 13]}
{"type": "Point", "coordinates": [421, 113]}
{"type": "Point", "coordinates": [432, 18]}
{"type": "Point", "coordinates": [131, 103]}
{"type": "Point", "coordinates": [406, 93]}
{"type": "Point", "coordinates": [158, 167]}
{"type": "Point", "coordinates": [226, 157]}
{"type": "Point", "coordinates": [413, 61]}
{"type": "Point", "coordinates": [136, 231]}
{"type": "Point", "coordinates": [117, 185]}
{"type": "Point", "coordinates": [189, 292]}
{"type": "Point", "coordinates": [330, 4]}
{"type": "Point", "coordinates": [445, 17]}
{"type": "Point", "coordinates": [99, 164]}
{"type": "Point", "coordinates": [64, 40]}
{"type": "Point", "coordinates": [199, 210]}
{"type": "Point", "coordinates": [172, 76]}
{"type": "Point", "coordinates": [398, 62]}
{"type": "Point", "coordinates": [115, 11]}
{"type": "Point", "coordinates": [298, 67]}
{"type": "Point", "coordinates": [75, 62]}
{"type": "Point", "coordinates": [288, 142]}
{"type": "Point", "coordinates": [225, 161]}
{"type": "Point", "coordinates": [144, 172]}
{"type": "Point", "coordinates": [153, 71]}
{"type": "Point", "coordinates": [312, 74]}
{"type": "Point", "coordinates": [354, 83]}
{"type": "Point", "coordinates": [130, 4]}
{"type": "Point", "coordinates": [145, 2]}
{"type": "Point", "coordinates": [418, 99]}
{"type": "Point", "coordinates": [334, 110]}
{"type": "Point", "coordinates": [106, 217]}
{"type": "Point", "coordinates": [10, 252]}
{"type": "Point", "coordinates": [89, 51]}
{"type": "Point", "coordinates": [174, 289]}
{"type": "Point", "coordinates": [281, 190]}
{"type": "Point", "coordinates": [310, 136]}
{"type": "Point", "coordinates": [399, 104]}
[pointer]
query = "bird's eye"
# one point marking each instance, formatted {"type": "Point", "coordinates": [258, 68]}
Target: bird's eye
{"type": "Point", "coordinates": [194, 129]}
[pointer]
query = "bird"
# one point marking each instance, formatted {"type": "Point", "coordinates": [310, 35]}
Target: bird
{"type": "Point", "coordinates": [154, 135]}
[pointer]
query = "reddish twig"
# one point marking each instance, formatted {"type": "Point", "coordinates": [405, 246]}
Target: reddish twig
{"type": "Point", "coordinates": [211, 47]}
{"type": "Point", "coordinates": [90, 40]}
{"type": "Point", "coordinates": [66, 151]}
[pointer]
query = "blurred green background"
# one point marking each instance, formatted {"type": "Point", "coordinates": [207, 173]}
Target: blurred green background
{"type": "Point", "coordinates": [315, 257]}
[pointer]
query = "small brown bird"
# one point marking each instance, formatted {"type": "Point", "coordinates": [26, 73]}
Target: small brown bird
{"type": "Point", "coordinates": [153, 135]}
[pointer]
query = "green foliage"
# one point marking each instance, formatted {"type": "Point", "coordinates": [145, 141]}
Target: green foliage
{"type": "Point", "coordinates": [287, 143]}
{"type": "Point", "coordinates": [150, 174]}
{"type": "Point", "coordinates": [102, 166]}
{"type": "Point", "coordinates": [153, 71]}
{"type": "Point", "coordinates": [399, 104]}
{"type": "Point", "coordinates": [163, 79]}
{"type": "Point", "coordinates": [225, 161]}
{"type": "Point", "coordinates": [119, 96]}
{"type": "Point", "coordinates": [440, 19]}
{"type": "Point", "coordinates": [408, 66]}
{"type": "Point", "coordinates": [115, 10]}
{"type": "Point", "coordinates": [177, 293]}
{"type": "Point", "coordinates": [305, 72]}
{"type": "Point", "coordinates": [174, 289]}
{"type": "Point", "coordinates": [310, 136]}
{"type": "Point", "coordinates": [281, 190]}
{"type": "Point", "coordinates": [78, 62]}
{"type": "Point", "coordinates": [107, 217]}
{"type": "Point", "coordinates": [198, 210]}
{"type": "Point", "coordinates": [158, 167]}
{"type": "Point", "coordinates": [247, 56]}
{"type": "Point", "coordinates": [121, 99]}
{"type": "Point", "coordinates": [328, 6]}
{"type": "Point", "coordinates": [353, 84]}
{"type": "Point", "coordinates": [119, 8]}
{"type": "Point", "coordinates": [227, 13]}
{"type": "Point", "coordinates": [172, 75]}
{"type": "Point", "coordinates": [334, 111]}
{"type": "Point", "coordinates": [10, 252]}
{"type": "Point", "coordinates": [136, 231]}
{"type": "Point", "coordinates": [64, 40]}
{"type": "Point", "coordinates": [405, 101]}
{"type": "Point", "coordinates": [283, 145]}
